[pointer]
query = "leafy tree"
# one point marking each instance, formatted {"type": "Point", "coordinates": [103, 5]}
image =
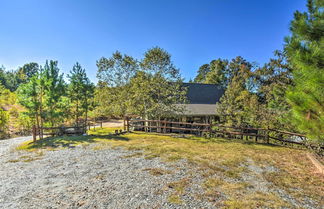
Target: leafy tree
{"type": "Point", "coordinates": [26, 72]}
{"type": "Point", "coordinates": [305, 51]}
{"type": "Point", "coordinates": [150, 88]}
{"type": "Point", "coordinates": [114, 76]}
{"type": "Point", "coordinates": [80, 92]}
{"type": "Point", "coordinates": [117, 70]}
{"type": "Point", "coordinates": [5, 99]}
{"type": "Point", "coordinates": [13, 78]}
{"type": "Point", "coordinates": [162, 82]}
{"type": "Point", "coordinates": [4, 117]}
{"type": "Point", "coordinates": [9, 79]}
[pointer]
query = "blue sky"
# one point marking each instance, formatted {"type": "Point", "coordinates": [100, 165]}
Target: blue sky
{"type": "Point", "coordinates": [193, 31]}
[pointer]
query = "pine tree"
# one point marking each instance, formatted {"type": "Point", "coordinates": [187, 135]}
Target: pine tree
{"type": "Point", "coordinates": [305, 50]}
{"type": "Point", "coordinates": [54, 91]}
{"type": "Point", "coordinates": [238, 104]}
{"type": "Point", "coordinates": [202, 73]}
{"type": "Point", "coordinates": [80, 92]}
{"type": "Point", "coordinates": [30, 96]}
{"type": "Point", "coordinates": [217, 73]}
{"type": "Point", "coordinates": [273, 80]}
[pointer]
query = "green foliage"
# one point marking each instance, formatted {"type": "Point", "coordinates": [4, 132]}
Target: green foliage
{"type": "Point", "coordinates": [157, 88]}
{"type": "Point", "coordinates": [4, 118]}
{"type": "Point", "coordinates": [117, 70]}
{"type": "Point", "coordinates": [114, 74]}
{"type": "Point", "coordinates": [12, 79]}
{"type": "Point", "coordinates": [27, 71]}
{"type": "Point", "coordinates": [202, 73]}
{"type": "Point", "coordinates": [29, 95]}
{"type": "Point", "coordinates": [25, 123]}
{"type": "Point", "coordinates": [54, 92]}
{"type": "Point", "coordinates": [216, 72]}
{"type": "Point", "coordinates": [43, 96]}
{"type": "Point", "coordinates": [149, 89]}
{"type": "Point", "coordinates": [80, 92]}
{"type": "Point", "coordinates": [305, 51]}
{"type": "Point", "coordinates": [7, 98]}
{"type": "Point", "coordinates": [273, 80]}
{"type": "Point", "coordinates": [237, 105]}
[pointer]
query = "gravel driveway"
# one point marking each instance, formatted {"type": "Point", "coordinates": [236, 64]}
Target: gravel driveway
{"type": "Point", "coordinates": [7, 144]}
{"type": "Point", "coordinates": [86, 178]}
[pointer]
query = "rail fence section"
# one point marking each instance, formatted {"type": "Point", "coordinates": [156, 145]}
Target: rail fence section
{"type": "Point", "coordinates": [267, 135]}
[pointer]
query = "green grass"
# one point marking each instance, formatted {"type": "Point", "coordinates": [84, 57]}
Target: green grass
{"type": "Point", "coordinates": [223, 158]}
{"type": "Point", "coordinates": [104, 131]}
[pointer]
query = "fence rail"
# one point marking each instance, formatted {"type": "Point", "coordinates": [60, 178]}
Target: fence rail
{"type": "Point", "coordinates": [57, 131]}
{"type": "Point", "coordinates": [218, 130]}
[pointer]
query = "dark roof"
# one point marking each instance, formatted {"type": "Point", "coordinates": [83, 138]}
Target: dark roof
{"type": "Point", "coordinates": [203, 93]}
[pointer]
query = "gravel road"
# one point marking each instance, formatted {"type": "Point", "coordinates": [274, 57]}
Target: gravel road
{"type": "Point", "coordinates": [86, 178]}
{"type": "Point", "coordinates": [7, 144]}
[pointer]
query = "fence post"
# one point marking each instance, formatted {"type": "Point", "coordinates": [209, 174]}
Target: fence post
{"type": "Point", "coordinates": [127, 124]}
{"type": "Point", "coordinates": [210, 130]}
{"type": "Point", "coordinates": [268, 137]}
{"type": "Point", "coordinates": [164, 126]}
{"type": "Point", "coordinates": [101, 124]}
{"type": "Point", "coordinates": [34, 133]}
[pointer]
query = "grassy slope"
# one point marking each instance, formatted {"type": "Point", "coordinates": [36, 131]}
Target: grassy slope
{"type": "Point", "coordinates": [224, 164]}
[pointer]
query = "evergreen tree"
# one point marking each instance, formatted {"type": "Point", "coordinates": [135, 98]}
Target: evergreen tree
{"type": "Point", "coordinates": [30, 96]}
{"type": "Point", "coordinates": [202, 73]}
{"type": "Point", "coordinates": [305, 51]}
{"type": "Point", "coordinates": [217, 73]}
{"type": "Point", "coordinates": [80, 92]}
{"type": "Point", "coordinates": [238, 104]}
{"type": "Point", "coordinates": [54, 91]}
{"type": "Point", "coordinates": [273, 80]}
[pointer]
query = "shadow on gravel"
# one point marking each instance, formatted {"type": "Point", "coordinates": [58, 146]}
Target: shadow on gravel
{"type": "Point", "coordinates": [71, 141]}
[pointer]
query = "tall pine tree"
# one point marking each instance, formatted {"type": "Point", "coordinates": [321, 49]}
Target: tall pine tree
{"type": "Point", "coordinates": [305, 50]}
{"type": "Point", "coordinates": [80, 92]}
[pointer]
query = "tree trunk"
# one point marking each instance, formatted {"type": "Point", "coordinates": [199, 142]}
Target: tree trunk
{"type": "Point", "coordinates": [77, 114]}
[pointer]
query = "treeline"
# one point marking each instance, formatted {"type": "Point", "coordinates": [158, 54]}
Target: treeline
{"type": "Point", "coordinates": [254, 96]}
{"type": "Point", "coordinates": [287, 92]}
{"type": "Point", "coordinates": [42, 97]}
{"type": "Point", "coordinates": [150, 87]}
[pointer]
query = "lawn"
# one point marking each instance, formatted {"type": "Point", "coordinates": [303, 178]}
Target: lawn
{"type": "Point", "coordinates": [235, 174]}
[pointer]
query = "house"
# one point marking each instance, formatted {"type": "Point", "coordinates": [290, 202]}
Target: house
{"type": "Point", "coordinates": [201, 103]}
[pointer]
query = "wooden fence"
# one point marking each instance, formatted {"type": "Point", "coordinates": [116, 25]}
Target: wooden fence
{"type": "Point", "coordinates": [217, 130]}
{"type": "Point", "coordinates": [58, 131]}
